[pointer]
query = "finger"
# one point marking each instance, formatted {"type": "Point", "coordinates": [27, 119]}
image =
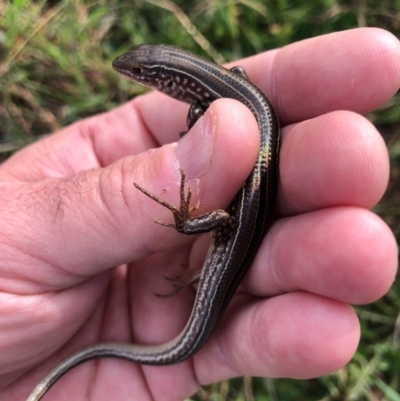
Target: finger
{"type": "Point", "coordinates": [348, 254]}
{"type": "Point", "coordinates": [357, 70]}
{"type": "Point", "coordinates": [332, 160]}
{"type": "Point", "coordinates": [295, 335]}
{"type": "Point", "coordinates": [330, 71]}
{"type": "Point", "coordinates": [93, 220]}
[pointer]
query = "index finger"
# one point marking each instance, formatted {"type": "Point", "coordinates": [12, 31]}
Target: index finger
{"type": "Point", "coordinates": [307, 79]}
{"type": "Point", "coordinates": [356, 70]}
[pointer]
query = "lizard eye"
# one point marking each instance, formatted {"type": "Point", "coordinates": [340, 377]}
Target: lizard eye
{"type": "Point", "coordinates": [136, 70]}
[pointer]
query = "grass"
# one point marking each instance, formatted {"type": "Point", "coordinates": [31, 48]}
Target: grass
{"type": "Point", "coordinates": [55, 69]}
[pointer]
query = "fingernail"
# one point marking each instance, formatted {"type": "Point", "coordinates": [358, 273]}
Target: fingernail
{"type": "Point", "coordinates": [195, 148]}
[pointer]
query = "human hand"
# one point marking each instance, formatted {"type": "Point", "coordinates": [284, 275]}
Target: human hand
{"type": "Point", "coordinates": [70, 214]}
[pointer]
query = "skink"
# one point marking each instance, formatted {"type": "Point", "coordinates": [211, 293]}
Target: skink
{"type": "Point", "coordinates": [192, 79]}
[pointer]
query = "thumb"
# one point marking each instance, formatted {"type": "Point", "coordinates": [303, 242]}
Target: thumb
{"type": "Point", "coordinates": [58, 232]}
